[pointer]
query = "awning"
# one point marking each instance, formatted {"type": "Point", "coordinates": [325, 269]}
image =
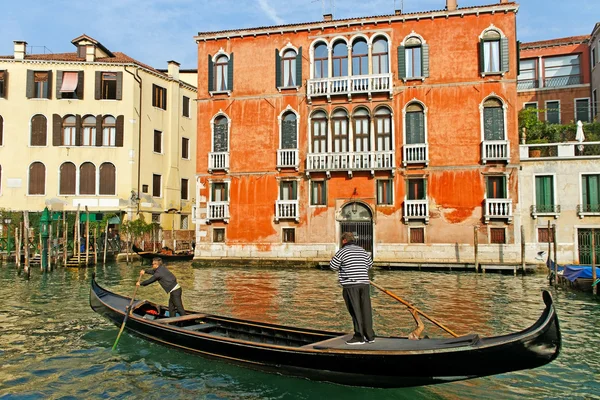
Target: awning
{"type": "Point", "coordinates": [114, 220]}
{"type": "Point", "coordinates": [69, 83]}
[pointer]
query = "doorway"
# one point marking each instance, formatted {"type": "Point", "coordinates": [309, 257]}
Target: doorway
{"type": "Point", "coordinates": [357, 218]}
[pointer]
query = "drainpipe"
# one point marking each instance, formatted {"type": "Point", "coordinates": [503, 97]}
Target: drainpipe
{"type": "Point", "coordinates": [138, 79]}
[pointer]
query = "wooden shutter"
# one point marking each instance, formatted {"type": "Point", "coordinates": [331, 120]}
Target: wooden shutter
{"type": "Point", "coordinates": [425, 60]}
{"type": "Point", "coordinates": [157, 141]}
{"type": "Point", "coordinates": [288, 134]}
{"type": "Point", "coordinates": [98, 87]}
{"type": "Point", "coordinates": [493, 123]}
{"type": "Point", "coordinates": [184, 189]}
{"type": "Point", "coordinates": [156, 185]}
{"type": "Point", "coordinates": [79, 90]}
{"type": "Point", "coordinates": [415, 127]}
{"type": "Point", "coordinates": [78, 130]}
{"type": "Point", "coordinates": [417, 235]}
{"type": "Point", "coordinates": [277, 69]}
{"type": "Point", "coordinates": [4, 93]}
{"type": "Point", "coordinates": [67, 179]}
{"type": "Point", "coordinates": [59, 79]}
{"type": "Point", "coordinates": [186, 106]}
{"type": "Point", "coordinates": [49, 92]}
{"type": "Point", "coordinates": [1, 130]}
{"type": "Point", "coordinates": [119, 85]}
{"type": "Point", "coordinates": [504, 54]}
{"type": "Point", "coordinates": [99, 132]}
{"type": "Point", "coordinates": [37, 178]}
{"type": "Point", "coordinates": [29, 91]}
{"type": "Point", "coordinates": [108, 178]}
{"type": "Point", "coordinates": [38, 130]}
{"type": "Point", "coordinates": [87, 178]}
{"type": "Point", "coordinates": [211, 83]}
{"type": "Point", "coordinates": [497, 235]}
{"type": "Point", "coordinates": [119, 131]}
{"type": "Point", "coordinates": [185, 148]}
{"type": "Point", "coordinates": [401, 63]}
{"type": "Point", "coordinates": [56, 130]}
{"type": "Point", "coordinates": [230, 73]}
{"type": "Point", "coordinates": [220, 138]}
{"type": "Point", "coordinates": [481, 56]}
{"type": "Point", "coordinates": [518, 57]}
{"type": "Point", "coordinates": [299, 67]}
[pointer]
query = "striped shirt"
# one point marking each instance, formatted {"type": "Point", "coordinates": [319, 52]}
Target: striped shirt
{"type": "Point", "coordinates": [352, 263]}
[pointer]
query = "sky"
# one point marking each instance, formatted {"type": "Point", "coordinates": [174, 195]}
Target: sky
{"type": "Point", "coordinates": [156, 31]}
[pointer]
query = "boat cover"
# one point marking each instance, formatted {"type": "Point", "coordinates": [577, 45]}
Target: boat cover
{"type": "Point", "coordinates": [574, 272]}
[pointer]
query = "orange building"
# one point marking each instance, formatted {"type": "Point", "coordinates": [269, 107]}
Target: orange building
{"type": "Point", "coordinates": [555, 79]}
{"type": "Point", "coordinates": [400, 128]}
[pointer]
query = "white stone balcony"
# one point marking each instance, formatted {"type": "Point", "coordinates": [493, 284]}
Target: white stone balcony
{"type": "Point", "coordinates": [552, 210]}
{"type": "Point", "coordinates": [349, 85]}
{"type": "Point", "coordinates": [559, 151]}
{"type": "Point", "coordinates": [218, 211]}
{"type": "Point", "coordinates": [495, 150]}
{"type": "Point", "coordinates": [415, 154]}
{"type": "Point", "coordinates": [286, 209]}
{"type": "Point", "coordinates": [498, 209]}
{"type": "Point", "coordinates": [287, 158]}
{"type": "Point", "coordinates": [218, 161]}
{"type": "Point", "coordinates": [416, 209]}
{"type": "Point", "coordinates": [349, 162]}
{"type": "Point", "coordinates": [588, 210]}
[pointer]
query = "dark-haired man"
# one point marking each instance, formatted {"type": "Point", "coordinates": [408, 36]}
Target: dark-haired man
{"type": "Point", "coordinates": [168, 281]}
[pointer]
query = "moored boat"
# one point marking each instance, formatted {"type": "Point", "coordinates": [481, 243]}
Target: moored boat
{"type": "Point", "coordinates": [325, 356]}
{"type": "Point", "coordinates": [188, 256]}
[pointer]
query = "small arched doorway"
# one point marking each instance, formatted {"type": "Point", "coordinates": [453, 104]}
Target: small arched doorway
{"type": "Point", "coordinates": [357, 218]}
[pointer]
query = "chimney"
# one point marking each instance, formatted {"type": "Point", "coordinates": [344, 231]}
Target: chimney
{"type": "Point", "coordinates": [503, 1]}
{"type": "Point", "coordinates": [397, 12]}
{"type": "Point", "coordinates": [451, 5]}
{"type": "Point", "coordinates": [327, 17]}
{"type": "Point", "coordinates": [20, 49]}
{"type": "Point", "coordinates": [90, 53]}
{"type": "Point", "coordinates": [173, 70]}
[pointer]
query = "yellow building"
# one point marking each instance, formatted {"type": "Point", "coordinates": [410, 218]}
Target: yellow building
{"type": "Point", "coordinates": [97, 128]}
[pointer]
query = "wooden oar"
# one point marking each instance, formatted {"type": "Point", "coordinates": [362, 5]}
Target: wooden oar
{"type": "Point", "coordinates": [127, 312]}
{"type": "Point", "coordinates": [407, 304]}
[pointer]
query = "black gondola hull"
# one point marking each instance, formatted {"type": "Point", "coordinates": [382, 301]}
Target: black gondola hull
{"type": "Point", "coordinates": [389, 362]}
{"type": "Point", "coordinates": [148, 255]}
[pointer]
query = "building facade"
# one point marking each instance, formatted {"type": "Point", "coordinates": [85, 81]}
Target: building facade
{"type": "Point", "coordinates": [99, 129]}
{"type": "Point", "coordinates": [399, 128]}
{"type": "Point", "coordinates": [595, 67]}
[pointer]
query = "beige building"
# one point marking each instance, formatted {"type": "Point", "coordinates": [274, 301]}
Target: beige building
{"type": "Point", "coordinates": [97, 128]}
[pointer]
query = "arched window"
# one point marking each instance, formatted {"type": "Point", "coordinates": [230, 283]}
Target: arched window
{"type": "Point", "coordinates": [69, 131]}
{"type": "Point", "coordinates": [37, 179]}
{"type": "Point", "coordinates": [67, 179]}
{"type": "Point", "coordinates": [89, 131]}
{"type": "Point", "coordinates": [221, 67]}
{"type": "Point", "coordinates": [383, 129]}
{"type": "Point", "coordinates": [380, 56]}
{"type": "Point", "coordinates": [490, 43]}
{"type": "Point", "coordinates": [289, 131]}
{"type": "Point", "coordinates": [493, 119]}
{"type": "Point", "coordinates": [413, 52]}
{"type": "Point", "coordinates": [362, 130]}
{"type": "Point", "coordinates": [109, 131]}
{"type": "Point", "coordinates": [415, 124]}
{"type": "Point", "coordinates": [321, 61]}
{"type": "Point", "coordinates": [339, 121]}
{"type": "Point", "coordinates": [221, 134]}
{"type": "Point", "coordinates": [360, 57]}
{"type": "Point", "coordinates": [87, 178]}
{"type": "Point", "coordinates": [39, 126]}
{"type": "Point", "coordinates": [108, 179]}
{"type": "Point", "coordinates": [288, 63]}
{"type": "Point", "coordinates": [340, 59]}
{"type": "Point", "coordinates": [319, 132]}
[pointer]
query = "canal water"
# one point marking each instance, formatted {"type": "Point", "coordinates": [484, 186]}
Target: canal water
{"type": "Point", "coordinates": [53, 346]}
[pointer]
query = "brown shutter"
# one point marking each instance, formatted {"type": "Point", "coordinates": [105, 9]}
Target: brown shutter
{"type": "Point", "coordinates": [119, 85]}
{"type": "Point", "coordinates": [154, 95]}
{"type": "Point", "coordinates": [87, 178]}
{"type": "Point", "coordinates": [56, 129]}
{"type": "Point", "coordinates": [1, 130]}
{"type": "Point", "coordinates": [67, 178]}
{"type": "Point", "coordinates": [5, 79]}
{"type": "Point", "coordinates": [107, 179]}
{"type": "Point", "coordinates": [79, 90]}
{"type": "Point", "coordinates": [98, 87]}
{"type": "Point", "coordinates": [38, 130]}
{"type": "Point", "coordinates": [59, 78]}
{"type": "Point", "coordinates": [29, 92]}
{"type": "Point", "coordinates": [49, 85]}
{"type": "Point", "coordinates": [119, 129]}
{"type": "Point", "coordinates": [99, 130]}
{"type": "Point", "coordinates": [78, 130]}
{"type": "Point", "coordinates": [37, 178]}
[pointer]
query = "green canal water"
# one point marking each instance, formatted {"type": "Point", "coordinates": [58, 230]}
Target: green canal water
{"type": "Point", "coordinates": [53, 346]}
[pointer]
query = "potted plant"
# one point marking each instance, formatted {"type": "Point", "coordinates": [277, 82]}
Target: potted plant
{"type": "Point", "coordinates": [535, 151]}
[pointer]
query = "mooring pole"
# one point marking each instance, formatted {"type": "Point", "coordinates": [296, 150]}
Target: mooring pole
{"type": "Point", "coordinates": [594, 277]}
{"type": "Point", "coordinates": [87, 236]}
{"type": "Point", "coordinates": [522, 250]}
{"type": "Point", "coordinates": [476, 245]}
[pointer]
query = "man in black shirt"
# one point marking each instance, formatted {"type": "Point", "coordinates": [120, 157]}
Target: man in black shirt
{"type": "Point", "coordinates": [168, 282]}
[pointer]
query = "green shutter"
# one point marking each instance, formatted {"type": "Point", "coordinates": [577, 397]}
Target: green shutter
{"type": "Point", "coordinates": [226, 191]}
{"type": "Point", "coordinates": [415, 128]}
{"type": "Point", "coordinates": [401, 63]}
{"type": "Point", "coordinates": [584, 190]}
{"type": "Point", "coordinates": [504, 54]}
{"type": "Point", "coordinates": [481, 56]}
{"type": "Point", "coordinates": [277, 69]}
{"type": "Point", "coordinates": [539, 192]}
{"type": "Point", "coordinates": [544, 193]}
{"type": "Point", "coordinates": [425, 60]}
{"type": "Point", "coordinates": [593, 192]}
{"type": "Point", "coordinates": [211, 82]}
{"type": "Point", "coordinates": [518, 58]}
{"type": "Point", "coordinates": [493, 123]}
{"type": "Point", "coordinates": [294, 190]}
{"type": "Point", "coordinates": [299, 67]}
{"type": "Point", "coordinates": [324, 194]}
{"type": "Point", "coordinates": [390, 200]}
{"type": "Point", "coordinates": [281, 184]}
{"type": "Point", "coordinates": [230, 73]}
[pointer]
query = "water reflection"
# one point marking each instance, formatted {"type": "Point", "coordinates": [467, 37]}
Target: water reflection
{"type": "Point", "coordinates": [54, 346]}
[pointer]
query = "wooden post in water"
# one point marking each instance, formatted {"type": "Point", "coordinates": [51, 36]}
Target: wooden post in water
{"type": "Point", "coordinates": [555, 245]}
{"type": "Point", "coordinates": [77, 236]}
{"type": "Point", "coordinates": [49, 246]}
{"type": "Point", "coordinates": [476, 245]}
{"type": "Point", "coordinates": [87, 236]}
{"type": "Point", "coordinates": [96, 245]}
{"type": "Point", "coordinates": [65, 239]}
{"type": "Point", "coordinates": [18, 233]}
{"type": "Point", "coordinates": [550, 253]}
{"type": "Point", "coordinates": [105, 241]}
{"type": "Point", "coordinates": [594, 277]}
{"type": "Point", "coordinates": [522, 250]}
{"type": "Point", "coordinates": [26, 240]}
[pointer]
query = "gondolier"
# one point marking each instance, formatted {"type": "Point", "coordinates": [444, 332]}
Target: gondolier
{"type": "Point", "coordinates": [353, 263]}
{"type": "Point", "coordinates": [168, 281]}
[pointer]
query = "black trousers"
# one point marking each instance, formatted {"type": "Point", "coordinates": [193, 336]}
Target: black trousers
{"type": "Point", "coordinates": [175, 303]}
{"type": "Point", "coordinates": [358, 302]}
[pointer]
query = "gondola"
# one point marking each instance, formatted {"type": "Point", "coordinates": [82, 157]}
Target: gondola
{"type": "Point", "coordinates": [168, 257]}
{"type": "Point", "coordinates": [389, 362]}
{"type": "Point", "coordinates": [577, 277]}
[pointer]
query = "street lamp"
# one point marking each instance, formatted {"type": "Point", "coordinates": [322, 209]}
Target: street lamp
{"type": "Point", "coordinates": [7, 221]}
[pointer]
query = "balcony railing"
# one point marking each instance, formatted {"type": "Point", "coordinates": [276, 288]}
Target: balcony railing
{"type": "Point", "coordinates": [218, 210]}
{"type": "Point", "coordinates": [550, 209]}
{"type": "Point", "coordinates": [286, 209]}
{"type": "Point", "coordinates": [362, 161]}
{"type": "Point", "coordinates": [525, 84]}
{"type": "Point", "coordinates": [566, 80]}
{"type": "Point", "coordinates": [559, 151]}
{"type": "Point", "coordinates": [498, 208]}
{"type": "Point", "coordinates": [415, 154]}
{"type": "Point", "coordinates": [588, 209]}
{"type": "Point", "coordinates": [287, 158]}
{"type": "Point", "coordinates": [218, 161]}
{"type": "Point", "coordinates": [495, 150]}
{"type": "Point", "coordinates": [349, 85]}
{"type": "Point", "coordinates": [416, 209]}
